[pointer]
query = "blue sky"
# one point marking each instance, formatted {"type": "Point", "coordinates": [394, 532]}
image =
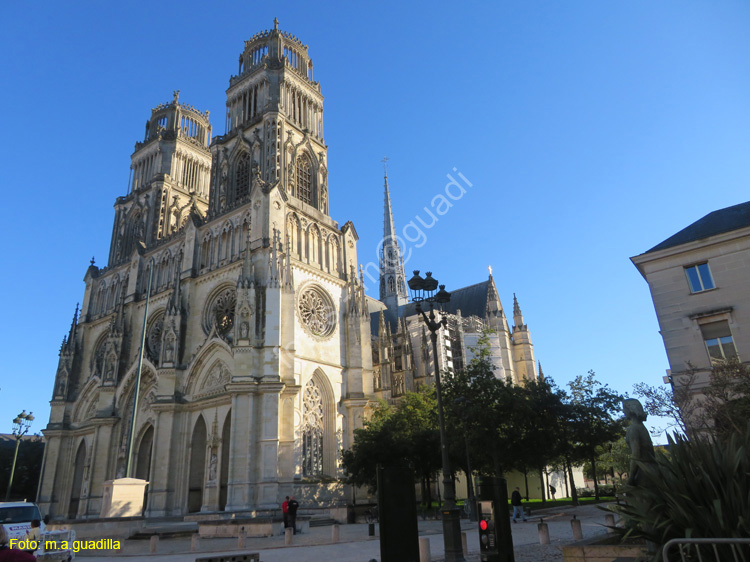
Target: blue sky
{"type": "Point", "coordinates": [590, 131]}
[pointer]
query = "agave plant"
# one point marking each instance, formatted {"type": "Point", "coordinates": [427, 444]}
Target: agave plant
{"type": "Point", "coordinates": [700, 489]}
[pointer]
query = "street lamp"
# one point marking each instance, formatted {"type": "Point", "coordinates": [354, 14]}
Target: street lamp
{"type": "Point", "coordinates": [423, 290]}
{"type": "Point", "coordinates": [21, 425]}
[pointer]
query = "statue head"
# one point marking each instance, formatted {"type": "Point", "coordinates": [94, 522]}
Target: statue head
{"type": "Point", "coordinates": [633, 409]}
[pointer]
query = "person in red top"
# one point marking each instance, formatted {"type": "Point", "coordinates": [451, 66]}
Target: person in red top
{"type": "Point", "coordinates": [8, 554]}
{"type": "Point", "coordinates": [285, 512]}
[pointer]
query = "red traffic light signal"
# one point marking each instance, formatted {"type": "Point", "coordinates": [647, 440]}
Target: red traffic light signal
{"type": "Point", "coordinates": [483, 524]}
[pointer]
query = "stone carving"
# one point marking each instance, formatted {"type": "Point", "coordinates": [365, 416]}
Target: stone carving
{"type": "Point", "coordinates": [153, 338]}
{"type": "Point", "coordinates": [316, 312]}
{"type": "Point", "coordinates": [637, 438]}
{"type": "Point", "coordinates": [218, 377]}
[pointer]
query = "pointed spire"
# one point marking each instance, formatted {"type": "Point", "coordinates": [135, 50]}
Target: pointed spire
{"type": "Point", "coordinates": [247, 275]}
{"type": "Point", "coordinates": [176, 298]}
{"type": "Point", "coordinates": [389, 230]}
{"type": "Point", "coordinates": [517, 315]}
{"type": "Point", "coordinates": [539, 369]}
{"type": "Point", "coordinates": [392, 276]}
{"type": "Point", "coordinates": [73, 325]}
{"type": "Point", "coordinates": [288, 279]}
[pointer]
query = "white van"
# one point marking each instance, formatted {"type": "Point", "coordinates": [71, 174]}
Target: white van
{"type": "Point", "coordinates": [16, 517]}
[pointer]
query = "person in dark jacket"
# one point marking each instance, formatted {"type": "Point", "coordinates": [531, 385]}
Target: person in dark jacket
{"type": "Point", "coordinates": [293, 507]}
{"type": "Point", "coordinates": [515, 501]}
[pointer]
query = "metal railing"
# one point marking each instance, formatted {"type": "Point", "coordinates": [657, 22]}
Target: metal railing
{"type": "Point", "coordinates": [708, 550]}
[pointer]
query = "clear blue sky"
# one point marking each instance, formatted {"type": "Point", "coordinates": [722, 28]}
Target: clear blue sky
{"type": "Point", "coordinates": [590, 131]}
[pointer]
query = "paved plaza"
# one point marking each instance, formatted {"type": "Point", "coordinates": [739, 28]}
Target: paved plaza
{"type": "Point", "coordinates": [356, 546]}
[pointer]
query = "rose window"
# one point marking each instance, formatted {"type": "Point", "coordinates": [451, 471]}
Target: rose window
{"type": "Point", "coordinates": [220, 313]}
{"type": "Point", "coordinates": [316, 312]}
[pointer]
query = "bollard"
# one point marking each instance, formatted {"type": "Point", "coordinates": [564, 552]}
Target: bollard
{"type": "Point", "coordinates": [465, 543]}
{"type": "Point", "coordinates": [576, 526]}
{"type": "Point", "coordinates": [152, 544]}
{"type": "Point", "coordinates": [371, 529]}
{"type": "Point", "coordinates": [609, 521]}
{"type": "Point", "coordinates": [543, 532]}
{"type": "Point", "coordinates": [335, 533]}
{"type": "Point", "coordinates": [288, 536]}
{"type": "Point", "coordinates": [241, 538]}
{"type": "Point", "coordinates": [195, 542]}
{"type": "Point", "coordinates": [424, 549]}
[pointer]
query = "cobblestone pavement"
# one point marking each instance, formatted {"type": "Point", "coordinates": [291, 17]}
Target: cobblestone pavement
{"type": "Point", "coordinates": [356, 546]}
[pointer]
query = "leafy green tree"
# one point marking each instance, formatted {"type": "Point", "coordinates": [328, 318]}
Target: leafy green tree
{"type": "Point", "coordinates": [539, 412]}
{"type": "Point", "coordinates": [591, 422]}
{"type": "Point", "coordinates": [403, 434]}
{"type": "Point", "coordinates": [28, 466]}
{"type": "Point", "coordinates": [484, 408]}
{"type": "Point", "coordinates": [614, 457]}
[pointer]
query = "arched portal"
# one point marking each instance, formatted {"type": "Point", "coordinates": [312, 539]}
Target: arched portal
{"type": "Point", "coordinates": [224, 473]}
{"type": "Point", "coordinates": [75, 493]}
{"type": "Point", "coordinates": [143, 460]}
{"type": "Point", "coordinates": [197, 466]}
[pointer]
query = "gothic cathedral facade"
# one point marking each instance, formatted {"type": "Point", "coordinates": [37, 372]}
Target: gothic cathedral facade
{"type": "Point", "coordinates": [256, 366]}
{"type": "Point", "coordinates": [237, 297]}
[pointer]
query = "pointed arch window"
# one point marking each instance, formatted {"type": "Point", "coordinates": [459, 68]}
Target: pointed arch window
{"type": "Point", "coordinates": [304, 180]}
{"type": "Point", "coordinates": [242, 187]}
{"type": "Point", "coordinates": [312, 430]}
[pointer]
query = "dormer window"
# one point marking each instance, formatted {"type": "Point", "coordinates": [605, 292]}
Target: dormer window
{"type": "Point", "coordinates": [699, 278]}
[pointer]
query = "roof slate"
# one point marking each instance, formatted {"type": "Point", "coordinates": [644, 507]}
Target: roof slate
{"type": "Point", "coordinates": [717, 222]}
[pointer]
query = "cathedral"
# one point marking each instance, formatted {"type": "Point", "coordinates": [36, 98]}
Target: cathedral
{"type": "Point", "coordinates": [238, 300]}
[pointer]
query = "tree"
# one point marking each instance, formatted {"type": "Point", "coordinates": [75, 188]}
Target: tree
{"type": "Point", "coordinates": [614, 457]}
{"type": "Point", "coordinates": [28, 465]}
{"type": "Point", "coordinates": [404, 434]}
{"type": "Point", "coordinates": [485, 408]}
{"type": "Point", "coordinates": [542, 411]}
{"type": "Point", "coordinates": [718, 408]}
{"type": "Point", "coordinates": [591, 423]}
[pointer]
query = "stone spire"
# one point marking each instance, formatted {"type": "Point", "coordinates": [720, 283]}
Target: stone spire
{"type": "Point", "coordinates": [517, 315]}
{"type": "Point", "coordinates": [392, 277]}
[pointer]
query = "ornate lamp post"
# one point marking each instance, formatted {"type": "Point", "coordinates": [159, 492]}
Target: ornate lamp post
{"type": "Point", "coordinates": [423, 290]}
{"type": "Point", "coordinates": [21, 425]}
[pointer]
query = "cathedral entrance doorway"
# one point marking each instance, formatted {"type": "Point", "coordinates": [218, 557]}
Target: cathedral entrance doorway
{"type": "Point", "coordinates": [75, 492]}
{"type": "Point", "coordinates": [197, 466]}
{"type": "Point", "coordinates": [224, 473]}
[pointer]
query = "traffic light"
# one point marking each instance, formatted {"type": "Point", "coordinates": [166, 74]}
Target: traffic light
{"type": "Point", "coordinates": [486, 534]}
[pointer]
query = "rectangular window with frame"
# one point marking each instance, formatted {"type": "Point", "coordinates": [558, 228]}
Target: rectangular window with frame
{"type": "Point", "coordinates": [719, 342]}
{"type": "Point", "coordinates": [699, 278]}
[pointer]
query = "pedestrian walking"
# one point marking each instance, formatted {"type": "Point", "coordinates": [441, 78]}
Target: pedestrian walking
{"type": "Point", "coordinates": [293, 507]}
{"type": "Point", "coordinates": [515, 501]}
{"type": "Point", "coordinates": [552, 491]}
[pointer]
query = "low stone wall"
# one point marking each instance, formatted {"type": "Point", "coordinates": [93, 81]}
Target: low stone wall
{"type": "Point", "coordinates": [604, 550]}
{"type": "Point", "coordinates": [256, 527]}
{"type": "Point", "coordinates": [114, 528]}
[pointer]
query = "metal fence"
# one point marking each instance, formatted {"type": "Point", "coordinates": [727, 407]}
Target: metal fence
{"type": "Point", "coordinates": [707, 550]}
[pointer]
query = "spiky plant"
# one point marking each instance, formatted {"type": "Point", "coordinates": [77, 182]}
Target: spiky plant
{"type": "Point", "coordinates": [700, 489]}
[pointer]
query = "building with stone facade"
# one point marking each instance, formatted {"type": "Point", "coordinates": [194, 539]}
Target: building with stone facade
{"type": "Point", "coordinates": [257, 362]}
{"type": "Point", "coordinates": [402, 355]}
{"type": "Point", "coordinates": [698, 282]}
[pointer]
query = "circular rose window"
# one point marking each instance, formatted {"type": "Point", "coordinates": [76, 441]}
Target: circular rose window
{"type": "Point", "coordinates": [316, 312]}
{"type": "Point", "coordinates": [220, 313]}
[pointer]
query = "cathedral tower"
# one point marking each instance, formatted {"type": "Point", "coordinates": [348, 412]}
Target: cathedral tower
{"type": "Point", "coordinates": [169, 178]}
{"type": "Point", "coordinates": [392, 277]}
